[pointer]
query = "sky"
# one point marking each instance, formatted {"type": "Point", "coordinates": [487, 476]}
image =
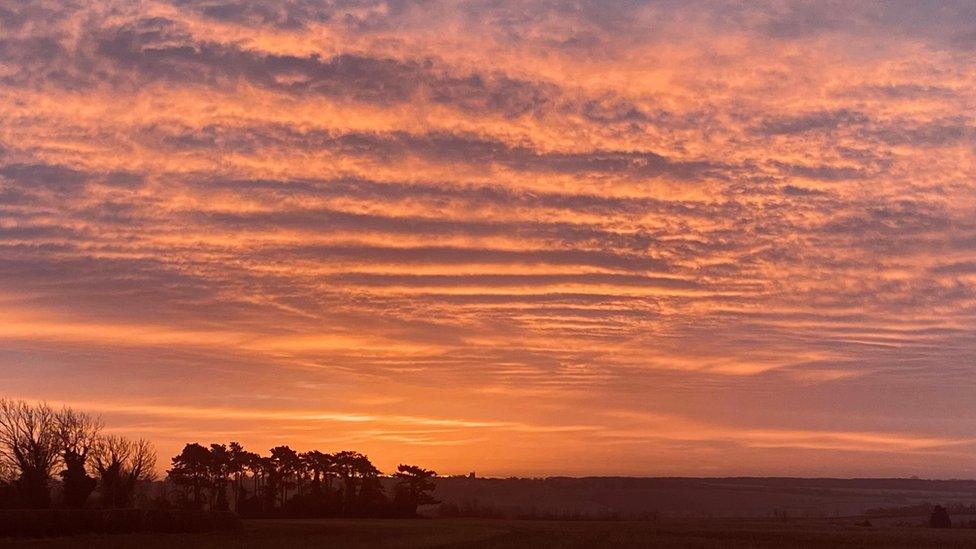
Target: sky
{"type": "Point", "coordinates": [513, 237]}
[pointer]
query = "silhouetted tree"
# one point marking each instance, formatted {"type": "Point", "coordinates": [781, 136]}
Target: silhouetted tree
{"type": "Point", "coordinates": [191, 472]}
{"type": "Point", "coordinates": [371, 500]}
{"type": "Point", "coordinates": [361, 490]}
{"type": "Point", "coordinates": [122, 464]}
{"type": "Point", "coordinates": [320, 465]}
{"type": "Point", "coordinates": [413, 488]}
{"type": "Point", "coordinates": [270, 481]}
{"type": "Point", "coordinates": [304, 473]}
{"type": "Point", "coordinates": [345, 464]}
{"type": "Point", "coordinates": [253, 463]}
{"type": "Point", "coordinates": [77, 433]}
{"type": "Point", "coordinates": [286, 465]}
{"type": "Point", "coordinates": [218, 467]}
{"type": "Point", "coordinates": [238, 462]}
{"type": "Point", "coordinates": [29, 445]}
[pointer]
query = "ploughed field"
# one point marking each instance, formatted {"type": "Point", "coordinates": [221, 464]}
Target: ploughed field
{"type": "Point", "coordinates": [487, 533]}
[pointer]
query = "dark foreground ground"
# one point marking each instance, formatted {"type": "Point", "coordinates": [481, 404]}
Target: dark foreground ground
{"type": "Point", "coordinates": [705, 533]}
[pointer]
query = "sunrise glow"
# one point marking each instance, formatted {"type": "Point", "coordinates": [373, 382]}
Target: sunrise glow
{"type": "Point", "coordinates": [586, 238]}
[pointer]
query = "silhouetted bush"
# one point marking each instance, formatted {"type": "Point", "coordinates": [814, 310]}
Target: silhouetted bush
{"type": "Point", "coordinates": [178, 520]}
{"type": "Point", "coordinates": [66, 522]}
{"type": "Point", "coordinates": [8, 496]}
{"type": "Point", "coordinates": [921, 509]}
{"type": "Point", "coordinates": [940, 518]}
{"type": "Point", "coordinates": [62, 522]}
{"type": "Point", "coordinates": [470, 509]}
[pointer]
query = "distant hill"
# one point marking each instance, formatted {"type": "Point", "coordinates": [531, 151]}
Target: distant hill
{"type": "Point", "coordinates": [625, 497]}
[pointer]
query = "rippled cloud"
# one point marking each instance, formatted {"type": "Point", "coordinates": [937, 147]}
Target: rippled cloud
{"type": "Point", "coordinates": [662, 236]}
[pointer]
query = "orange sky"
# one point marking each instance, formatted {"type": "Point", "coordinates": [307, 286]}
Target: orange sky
{"type": "Point", "coordinates": [645, 238]}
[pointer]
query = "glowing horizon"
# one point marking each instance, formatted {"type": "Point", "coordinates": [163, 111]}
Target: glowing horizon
{"type": "Point", "coordinates": [647, 238]}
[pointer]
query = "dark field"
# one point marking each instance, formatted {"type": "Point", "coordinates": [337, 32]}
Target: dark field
{"type": "Point", "coordinates": [703, 533]}
{"type": "Point", "coordinates": [641, 498]}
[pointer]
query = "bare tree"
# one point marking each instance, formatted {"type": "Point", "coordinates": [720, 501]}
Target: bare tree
{"type": "Point", "coordinates": [78, 433]}
{"type": "Point", "coordinates": [122, 464]}
{"type": "Point", "coordinates": [29, 444]}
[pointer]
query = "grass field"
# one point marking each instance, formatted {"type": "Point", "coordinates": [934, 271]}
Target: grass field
{"type": "Point", "coordinates": [338, 533]}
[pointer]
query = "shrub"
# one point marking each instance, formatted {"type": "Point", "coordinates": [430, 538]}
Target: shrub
{"type": "Point", "coordinates": [180, 520]}
{"type": "Point", "coordinates": [66, 522]}
{"type": "Point", "coordinates": [59, 522]}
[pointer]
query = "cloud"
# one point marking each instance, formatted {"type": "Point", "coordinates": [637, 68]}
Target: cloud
{"type": "Point", "coordinates": [959, 268]}
{"type": "Point", "coordinates": [49, 177]}
{"type": "Point", "coordinates": [814, 121]}
{"type": "Point", "coordinates": [431, 212]}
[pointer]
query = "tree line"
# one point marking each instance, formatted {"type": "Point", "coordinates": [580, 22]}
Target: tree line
{"type": "Point", "coordinates": [37, 441]}
{"type": "Point", "coordinates": [298, 484]}
{"type": "Point", "coordinates": [42, 447]}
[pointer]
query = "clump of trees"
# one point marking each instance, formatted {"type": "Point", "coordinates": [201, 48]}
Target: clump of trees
{"type": "Point", "coordinates": [37, 440]}
{"type": "Point", "coordinates": [295, 484]}
{"type": "Point", "coordinates": [44, 450]}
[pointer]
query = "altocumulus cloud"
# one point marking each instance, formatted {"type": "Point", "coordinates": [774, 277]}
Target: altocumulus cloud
{"type": "Point", "coordinates": [455, 231]}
